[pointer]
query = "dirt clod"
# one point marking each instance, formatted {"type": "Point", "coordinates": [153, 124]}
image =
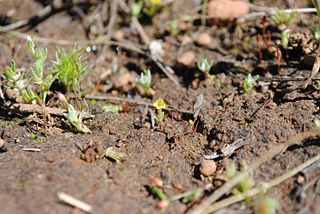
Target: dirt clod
{"type": "Point", "coordinates": [208, 167]}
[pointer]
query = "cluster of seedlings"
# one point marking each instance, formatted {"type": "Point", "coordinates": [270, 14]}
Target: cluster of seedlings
{"type": "Point", "coordinates": [41, 85]}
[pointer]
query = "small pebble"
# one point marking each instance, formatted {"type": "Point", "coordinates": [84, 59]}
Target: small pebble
{"type": "Point", "coordinates": [208, 167]}
{"type": "Point", "coordinates": [187, 58]}
{"type": "Point", "coordinates": [227, 9]}
{"type": "Point", "coordinates": [204, 39]}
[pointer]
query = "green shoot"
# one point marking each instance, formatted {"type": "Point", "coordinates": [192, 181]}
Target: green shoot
{"type": "Point", "coordinates": [244, 185]}
{"type": "Point", "coordinates": [158, 192]}
{"type": "Point", "coordinates": [148, 7]}
{"type": "Point", "coordinates": [204, 65]}
{"type": "Point", "coordinates": [249, 82]}
{"type": "Point", "coordinates": [159, 104]}
{"type": "Point", "coordinates": [280, 17]}
{"type": "Point", "coordinates": [173, 27]}
{"type": "Point", "coordinates": [69, 68]}
{"type": "Point", "coordinates": [76, 119]}
{"type": "Point", "coordinates": [111, 108]}
{"type": "Point", "coordinates": [145, 80]}
{"type": "Point", "coordinates": [285, 37]}
{"type": "Point", "coordinates": [317, 123]}
{"type": "Point", "coordinates": [193, 195]}
{"type": "Point", "coordinates": [266, 205]}
{"type": "Point", "coordinates": [316, 4]}
{"type": "Point", "coordinates": [114, 155]}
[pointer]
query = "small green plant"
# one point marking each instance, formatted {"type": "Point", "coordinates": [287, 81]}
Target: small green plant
{"type": "Point", "coordinates": [249, 82]}
{"type": "Point", "coordinates": [75, 119]}
{"type": "Point", "coordinates": [285, 37]}
{"type": "Point", "coordinates": [266, 205]}
{"type": "Point", "coordinates": [244, 185]}
{"type": "Point", "coordinates": [280, 17]}
{"type": "Point", "coordinates": [111, 108]}
{"type": "Point", "coordinates": [145, 80]}
{"type": "Point", "coordinates": [148, 7]}
{"type": "Point", "coordinates": [193, 195]}
{"type": "Point", "coordinates": [114, 155]}
{"type": "Point", "coordinates": [204, 65]}
{"type": "Point", "coordinates": [317, 123]}
{"type": "Point", "coordinates": [69, 67]}
{"type": "Point", "coordinates": [173, 27]}
{"type": "Point", "coordinates": [159, 104]}
{"type": "Point", "coordinates": [316, 4]}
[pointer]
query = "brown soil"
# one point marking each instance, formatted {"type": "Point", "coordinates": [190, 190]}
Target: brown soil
{"type": "Point", "coordinates": [73, 163]}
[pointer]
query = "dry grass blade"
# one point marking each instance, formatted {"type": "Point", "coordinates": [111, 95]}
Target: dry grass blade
{"type": "Point", "coordinates": [68, 199]}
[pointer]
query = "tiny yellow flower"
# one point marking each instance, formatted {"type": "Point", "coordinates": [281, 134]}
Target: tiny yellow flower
{"type": "Point", "coordinates": [159, 104]}
{"type": "Point", "coordinates": [155, 1]}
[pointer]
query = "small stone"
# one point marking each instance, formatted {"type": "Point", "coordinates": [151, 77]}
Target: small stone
{"type": "Point", "coordinates": [118, 34]}
{"type": "Point", "coordinates": [187, 58]}
{"type": "Point", "coordinates": [208, 167]}
{"type": "Point", "coordinates": [227, 9]}
{"type": "Point", "coordinates": [204, 39]}
{"type": "Point", "coordinates": [182, 26]}
{"type": "Point", "coordinates": [2, 143]}
{"type": "Point", "coordinates": [124, 79]}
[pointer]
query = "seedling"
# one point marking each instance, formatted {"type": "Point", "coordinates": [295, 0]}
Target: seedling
{"type": "Point", "coordinates": [159, 104]}
{"type": "Point", "coordinates": [68, 66]}
{"type": "Point", "coordinates": [283, 17]}
{"type": "Point", "coordinates": [193, 195]}
{"type": "Point", "coordinates": [266, 205]}
{"type": "Point", "coordinates": [244, 185]}
{"type": "Point", "coordinates": [114, 155]}
{"type": "Point", "coordinates": [204, 65]}
{"type": "Point", "coordinates": [76, 119]}
{"type": "Point", "coordinates": [285, 37]}
{"type": "Point", "coordinates": [111, 108]}
{"type": "Point", "coordinates": [145, 80]}
{"type": "Point", "coordinates": [148, 7]}
{"type": "Point", "coordinates": [249, 82]}
{"type": "Point", "coordinates": [317, 123]}
{"type": "Point", "coordinates": [173, 27]}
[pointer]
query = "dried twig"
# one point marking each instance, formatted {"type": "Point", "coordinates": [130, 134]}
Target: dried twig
{"type": "Point", "coordinates": [68, 199]}
{"type": "Point", "coordinates": [23, 109]}
{"type": "Point", "coordinates": [120, 99]}
{"type": "Point", "coordinates": [41, 15]}
{"type": "Point", "coordinates": [31, 150]}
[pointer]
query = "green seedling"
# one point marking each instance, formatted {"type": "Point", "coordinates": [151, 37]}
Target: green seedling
{"type": "Point", "coordinates": [316, 33]}
{"type": "Point", "coordinates": [42, 82]}
{"type": "Point", "coordinates": [76, 119]}
{"type": "Point", "coordinates": [317, 123]}
{"type": "Point", "coordinates": [114, 155]}
{"type": "Point", "coordinates": [244, 185]}
{"type": "Point", "coordinates": [173, 27]}
{"type": "Point", "coordinates": [280, 17]}
{"type": "Point", "coordinates": [148, 7]}
{"type": "Point", "coordinates": [204, 65]}
{"type": "Point", "coordinates": [111, 108]}
{"type": "Point", "coordinates": [249, 82]}
{"type": "Point", "coordinates": [13, 78]}
{"type": "Point", "coordinates": [159, 104]}
{"type": "Point", "coordinates": [193, 195]}
{"type": "Point", "coordinates": [285, 37]}
{"type": "Point", "coordinates": [69, 67]}
{"type": "Point", "coordinates": [158, 192]}
{"type": "Point", "coordinates": [316, 4]}
{"type": "Point", "coordinates": [145, 80]}
{"type": "Point", "coordinates": [266, 205]}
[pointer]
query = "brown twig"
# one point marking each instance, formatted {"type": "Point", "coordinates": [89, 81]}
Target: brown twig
{"type": "Point", "coordinates": [120, 99]}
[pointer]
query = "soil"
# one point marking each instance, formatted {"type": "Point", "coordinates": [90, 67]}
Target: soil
{"type": "Point", "coordinates": [74, 163]}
